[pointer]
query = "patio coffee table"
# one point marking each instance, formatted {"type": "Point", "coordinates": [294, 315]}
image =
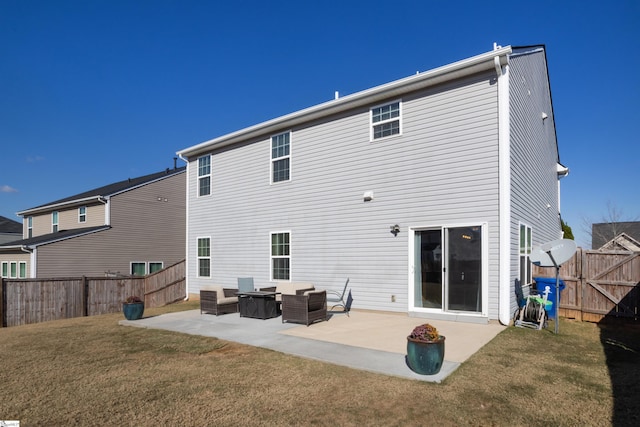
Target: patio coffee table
{"type": "Point", "coordinates": [258, 304]}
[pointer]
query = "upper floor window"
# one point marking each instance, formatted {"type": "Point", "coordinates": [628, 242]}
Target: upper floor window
{"type": "Point", "coordinates": [204, 176]}
{"type": "Point", "coordinates": [54, 221]}
{"type": "Point", "coordinates": [386, 120]}
{"type": "Point", "coordinates": [280, 157]}
{"type": "Point", "coordinates": [280, 256]}
{"type": "Point", "coordinates": [525, 254]}
{"type": "Point", "coordinates": [204, 257]}
{"type": "Point", "coordinates": [29, 227]}
{"type": "Point", "coordinates": [82, 214]}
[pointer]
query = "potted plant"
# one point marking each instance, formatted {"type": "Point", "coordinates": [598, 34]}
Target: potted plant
{"type": "Point", "coordinates": [133, 308]}
{"type": "Point", "coordinates": [425, 350]}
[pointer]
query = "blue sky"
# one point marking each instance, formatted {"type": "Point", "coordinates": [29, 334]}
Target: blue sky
{"type": "Point", "coordinates": [93, 92]}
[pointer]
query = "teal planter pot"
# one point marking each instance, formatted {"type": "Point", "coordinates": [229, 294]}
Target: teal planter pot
{"type": "Point", "coordinates": [423, 357]}
{"type": "Point", "coordinates": [133, 311]}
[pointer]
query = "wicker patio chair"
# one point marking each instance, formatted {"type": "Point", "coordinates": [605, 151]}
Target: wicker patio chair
{"type": "Point", "coordinates": [308, 308]}
{"type": "Point", "coordinates": [218, 300]}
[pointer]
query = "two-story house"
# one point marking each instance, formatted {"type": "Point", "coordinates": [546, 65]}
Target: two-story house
{"type": "Point", "coordinates": [132, 227]}
{"type": "Point", "coordinates": [427, 192]}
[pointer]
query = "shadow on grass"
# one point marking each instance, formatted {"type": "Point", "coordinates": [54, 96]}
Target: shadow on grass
{"type": "Point", "coordinates": [620, 338]}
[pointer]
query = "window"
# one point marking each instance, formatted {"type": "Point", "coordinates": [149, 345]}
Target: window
{"type": "Point", "coordinates": [204, 257]}
{"type": "Point", "coordinates": [23, 270]}
{"type": "Point", "coordinates": [155, 266]}
{"type": "Point", "coordinates": [385, 120]}
{"type": "Point", "coordinates": [280, 256]}
{"type": "Point", "coordinates": [280, 157]}
{"type": "Point", "coordinates": [29, 227]}
{"type": "Point", "coordinates": [138, 268]}
{"type": "Point", "coordinates": [5, 269]}
{"type": "Point", "coordinates": [82, 214]}
{"type": "Point", "coordinates": [14, 270]}
{"type": "Point", "coordinates": [525, 253]}
{"type": "Point", "coordinates": [204, 176]}
{"type": "Point", "coordinates": [54, 221]}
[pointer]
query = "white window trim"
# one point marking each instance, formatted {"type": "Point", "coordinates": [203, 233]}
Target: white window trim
{"type": "Point", "coordinates": [82, 217]}
{"type": "Point", "coordinates": [4, 269]}
{"type": "Point", "coordinates": [399, 119]}
{"type": "Point", "coordinates": [271, 257]}
{"type": "Point", "coordinates": [29, 227]}
{"type": "Point", "coordinates": [55, 225]}
{"type": "Point", "coordinates": [198, 257]}
{"type": "Point", "coordinates": [209, 175]}
{"type": "Point", "coordinates": [20, 264]}
{"type": "Point", "coordinates": [137, 262]}
{"type": "Point", "coordinates": [526, 253]}
{"type": "Point", "coordinates": [13, 266]}
{"type": "Point", "coordinates": [272, 160]}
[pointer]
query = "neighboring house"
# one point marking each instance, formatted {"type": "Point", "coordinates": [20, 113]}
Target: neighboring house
{"type": "Point", "coordinates": [603, 233]}
{"type": "Point", "coordinates": [622, 242]}
{"type": "Point", "coordinates": [10, 230]}
{"type": "Point", "coordinates": [132, 227]}
{"type": "Point", "coordinates": [427, 192]}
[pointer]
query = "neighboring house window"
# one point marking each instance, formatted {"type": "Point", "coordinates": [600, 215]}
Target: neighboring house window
{"type": "Point", "coordinates": [5, 269]}
{"type": "Point", "coordinates": [525, 253]}
{"type": "Point", "coordinates": [281, 157]}
{"type": "Point", "coordinates": [155, 266]}
{"type": "Point", "coordinates": [385, 120]}
{"type": "Point", "coordinates": [14, 270]}
{"type": "Point", "coordinates": [204, 257]}
{"type": "Point", "coordinates": [29, 227]}
{"type": "Point", "coordinates": [82, 214]}
{"type": "Point", "coordinates": [54, 221]}
{"type": "Point", "coordinates": [138, 268]}
{"type": "Point", "coordinates": [23, 270]}
{"type": "Point", "coordinates": [204, 176]}
{"type": "Point", "coordinates": [280, 256]}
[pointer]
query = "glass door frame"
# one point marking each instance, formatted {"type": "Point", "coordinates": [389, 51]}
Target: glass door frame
{"type": "Point", "coordinates": [484, 277]}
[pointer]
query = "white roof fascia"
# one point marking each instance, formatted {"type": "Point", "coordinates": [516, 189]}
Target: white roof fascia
{"type": "Point", "coordinates": [396, 88]}
{"type": "Point", "coordinates": [59, 205]}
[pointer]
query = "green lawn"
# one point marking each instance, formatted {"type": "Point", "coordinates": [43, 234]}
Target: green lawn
{"type": "Point", "coordinates": [91, 371]}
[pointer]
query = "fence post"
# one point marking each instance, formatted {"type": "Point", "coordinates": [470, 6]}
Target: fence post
{"type": "Point", "coordinates": [85, 296]}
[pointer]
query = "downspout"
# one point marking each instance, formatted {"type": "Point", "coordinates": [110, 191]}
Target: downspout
{"type": "Point", "coordinates": [186, 245]}
{"type": "Point", "coordinates": [504, 167]}
{"type": "Point", "coordinates": [32, 260]}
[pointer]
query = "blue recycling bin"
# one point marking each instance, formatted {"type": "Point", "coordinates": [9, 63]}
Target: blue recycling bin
{"type": "Point", "coordinates": [541, 283]}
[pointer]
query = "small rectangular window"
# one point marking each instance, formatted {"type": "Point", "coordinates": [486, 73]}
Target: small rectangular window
{"type": "Point", "coordinates": [29, 227]}
{"type": "Point", "coordinates": [82, 214]}
{"type": "Point", "coordinates": [281, 157]}
{"type": "Point", "coordinates": [204, 176]}
{"type": "Point", "coordinates": [524, 254]}
{"type": "Point", "coordinates": [155, 266]}
{"type": "Point", "coordinates": [386, 120]}
{"type": "Point", "coordinates": [204, 257]}
{"type": "Point", "coordinates": [138, 268]}
{"type": "Point", "coordinates": [280, 256]}
{"type": "Point", "coordinates": [54, 222]}
{"type": "Point", "coordinates": [14, 270]}
{"type": "Point", "coordinates": [23, 270]}
{"type": "Point", "coordinates": [5, 269]}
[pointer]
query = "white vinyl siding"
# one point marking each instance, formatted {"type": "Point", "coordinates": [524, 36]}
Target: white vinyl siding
{"type": "Point", "coordinates": [442, 169]}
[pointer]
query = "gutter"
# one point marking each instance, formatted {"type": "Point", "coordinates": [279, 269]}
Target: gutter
{"type": "Point", "coordinates": [466, 67]}
{"type": "Point", "coordinates": [41, 209]}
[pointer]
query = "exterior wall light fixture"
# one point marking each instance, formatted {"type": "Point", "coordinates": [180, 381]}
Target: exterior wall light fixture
{"type": "Point", "coordinates": [395, 229]}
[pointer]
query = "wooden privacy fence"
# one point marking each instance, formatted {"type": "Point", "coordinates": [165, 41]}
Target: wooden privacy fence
{"type": "Point", "coordinates": [39, 300]}
{"type": "Point", "coordinates": [598, 285]}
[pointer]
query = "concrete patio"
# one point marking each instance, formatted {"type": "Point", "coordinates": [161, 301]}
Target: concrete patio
{"type": "Point", "coordinates": [370, 341]}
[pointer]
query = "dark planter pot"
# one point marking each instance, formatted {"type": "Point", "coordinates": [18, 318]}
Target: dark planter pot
{"type": "Point", "coordinates": [425, 358]}
{"type": "Point", "coordinates": [133, 311]}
